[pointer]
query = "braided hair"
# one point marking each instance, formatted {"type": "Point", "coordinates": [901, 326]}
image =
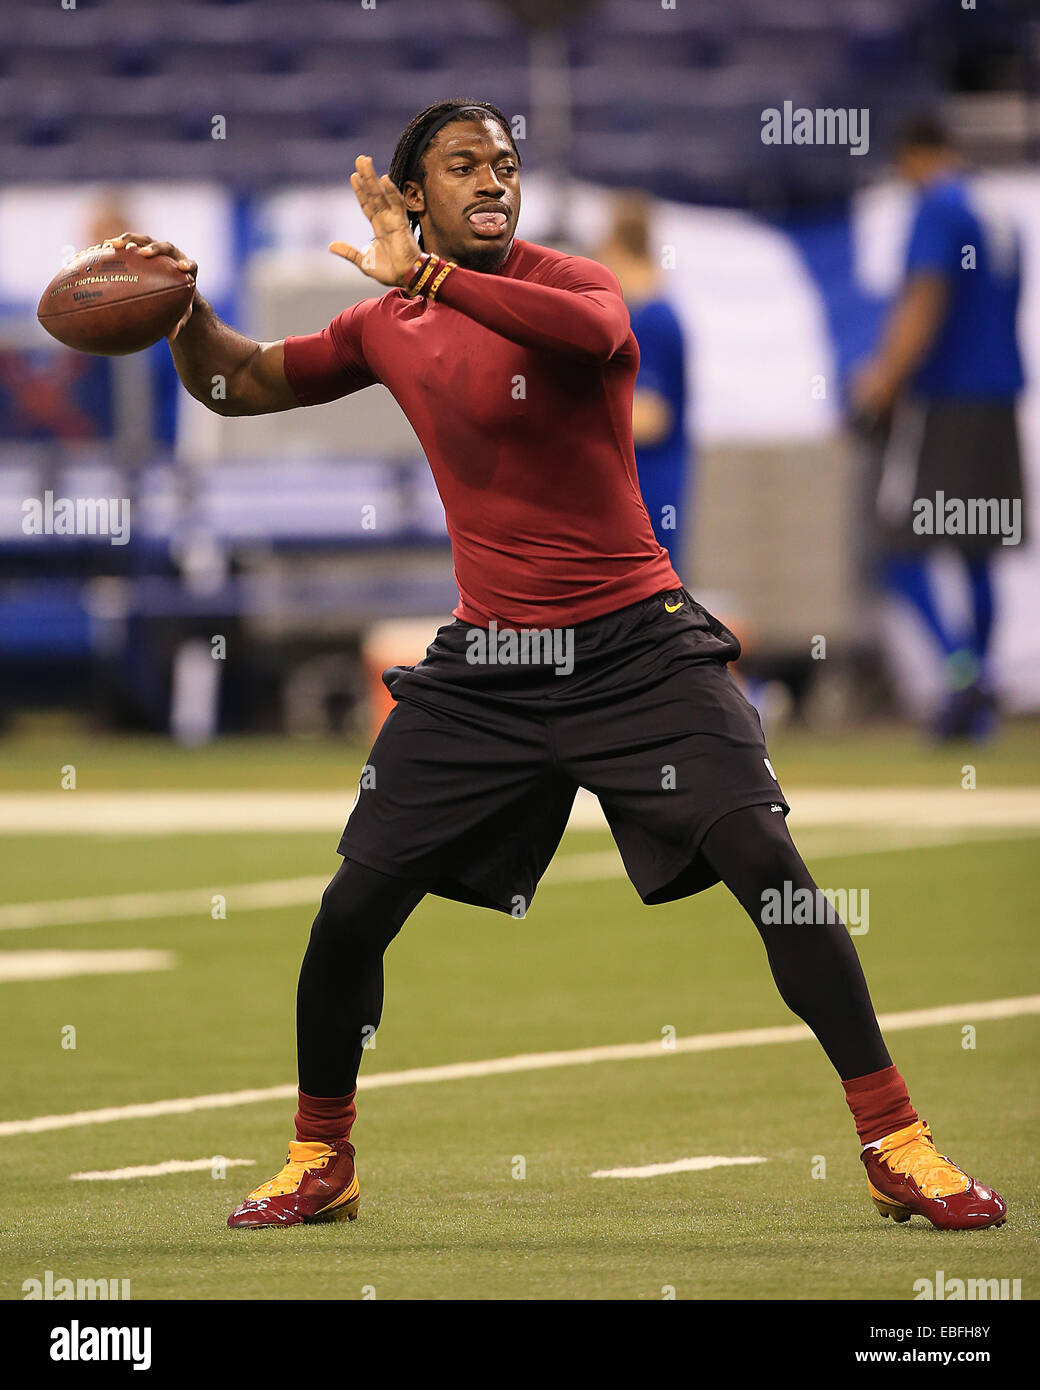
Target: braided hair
{"type": "Point", "coordinates": [408, 155]}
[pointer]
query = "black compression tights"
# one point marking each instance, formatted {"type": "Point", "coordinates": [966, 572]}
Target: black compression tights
{"type": "Point", "coordinates": [816, 968]}
{"type": "Point", "coordinates": [340, 996]}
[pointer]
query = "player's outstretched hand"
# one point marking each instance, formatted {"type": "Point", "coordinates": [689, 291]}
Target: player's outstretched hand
{"type": "Point", "coordinates": [148, 246]}
{"type": "Point", "coordinates": [391, 254]}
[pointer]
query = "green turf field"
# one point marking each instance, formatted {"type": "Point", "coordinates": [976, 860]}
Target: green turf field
{"type": "Point", "coordinates": [444, 1214]}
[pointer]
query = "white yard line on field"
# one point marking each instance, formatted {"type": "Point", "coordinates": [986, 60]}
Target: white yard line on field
{"type": "Point", "coordinates": [680, 1165]}
{"type": "Point", "coordinates": [176, 902]}
{"type": "Point", "coordinates": [306, 891]}
{"type": "Point", "coordinates": [155, 1170]}
{"type": "Point", "coordinates": [171, 812]}
{"type": "Point", "coordinates": [533, 1061]}
{"type": "Point", "coordinates": [63, 965]}
{"type": "Point", "coordinates": [239, 812]}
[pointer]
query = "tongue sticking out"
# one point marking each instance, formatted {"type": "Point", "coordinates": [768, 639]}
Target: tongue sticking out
{"type": "Point", "coordinates": [487, 221]}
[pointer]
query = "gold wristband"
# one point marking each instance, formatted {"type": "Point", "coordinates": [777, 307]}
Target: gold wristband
{"type": "Point", "coordinates": [442, 275]}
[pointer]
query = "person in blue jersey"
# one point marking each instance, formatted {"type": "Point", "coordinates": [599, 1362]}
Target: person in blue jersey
{"type": "Point", "coordinates": [663, 452]}
{"type": "Point", "coordinates": [945, 379]}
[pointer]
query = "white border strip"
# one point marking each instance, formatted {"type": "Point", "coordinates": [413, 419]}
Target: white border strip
{"type": "Point", "coordinates": [533, 1061]}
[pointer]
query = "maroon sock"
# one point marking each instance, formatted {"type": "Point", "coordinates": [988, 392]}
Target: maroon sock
{"type": "Point", "coordinates": [325, 1118]}
{"type": "Point", "coordinates": [879, 1103]}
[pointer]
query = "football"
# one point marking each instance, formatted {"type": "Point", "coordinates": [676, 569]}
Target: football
{"type": "Point", "coordinates": [113, 302]}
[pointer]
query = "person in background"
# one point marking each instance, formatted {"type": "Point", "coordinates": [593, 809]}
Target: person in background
{"type": "Point", "coordinates": [945, 380]}
{"type": "Point", "coordinates": [659, 404]}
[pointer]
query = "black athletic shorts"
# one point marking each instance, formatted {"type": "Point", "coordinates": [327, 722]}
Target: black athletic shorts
{"type": "Point", "coordinates": [967, 450]}
{"type": "Point", "coordinates": [470, 783]}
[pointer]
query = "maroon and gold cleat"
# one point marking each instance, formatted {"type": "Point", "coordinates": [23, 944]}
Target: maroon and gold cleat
{"type": "Point", "coordinates": [318, 1183]}
{"type": "Point", "coordinates": [908, 1177]}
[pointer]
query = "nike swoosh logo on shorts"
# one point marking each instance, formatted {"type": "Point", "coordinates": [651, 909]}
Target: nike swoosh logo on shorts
{"type": "Point", "coordinates": [672, 608]}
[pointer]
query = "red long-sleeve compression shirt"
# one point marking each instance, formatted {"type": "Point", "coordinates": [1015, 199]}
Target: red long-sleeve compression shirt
{"type": "Point", "coordinates": [519, 387]}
